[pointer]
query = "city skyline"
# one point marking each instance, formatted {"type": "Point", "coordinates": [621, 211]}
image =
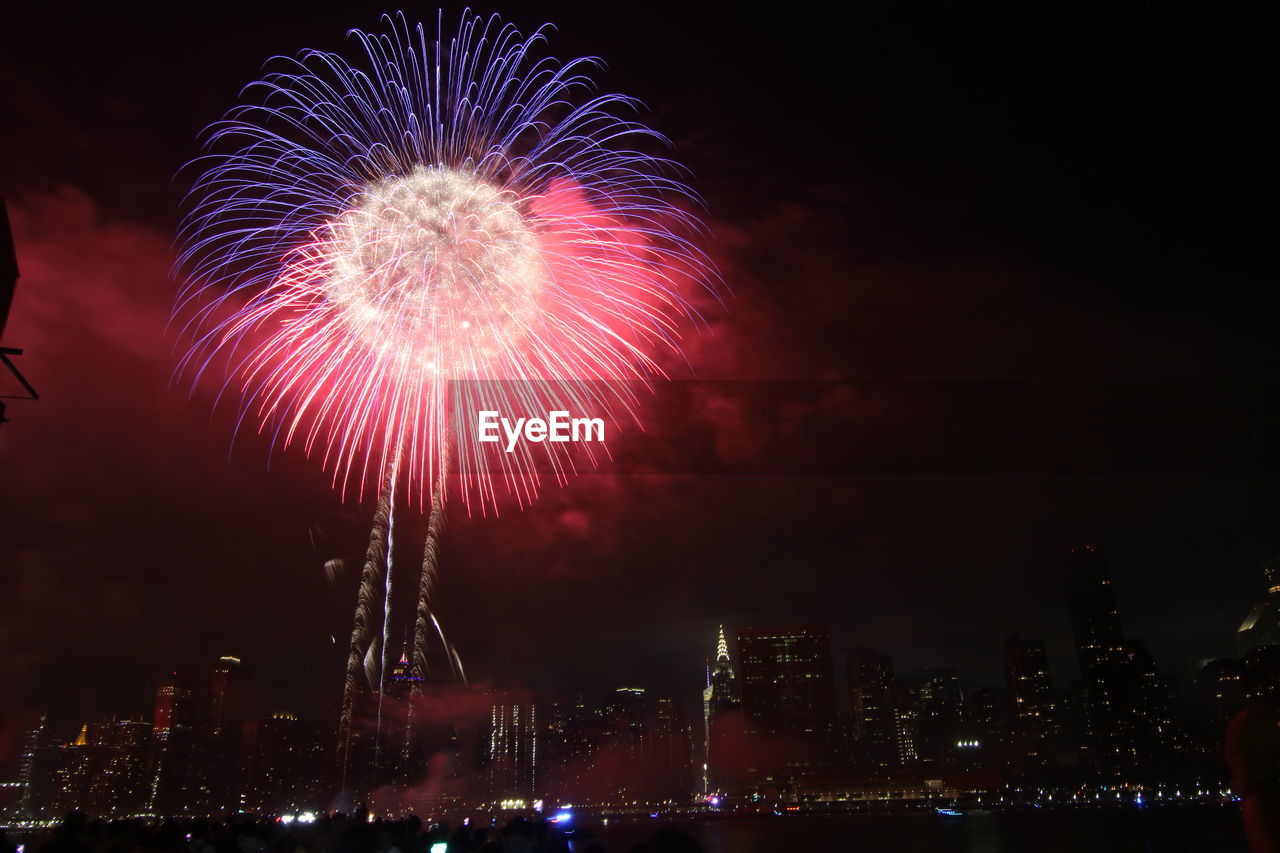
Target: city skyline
{"type": "Point", "coordinates": [859, 709]}
{"type": "Point", "coordinates": [1060, 650]}
{"type": "Point", "coordinates": [975, 444]}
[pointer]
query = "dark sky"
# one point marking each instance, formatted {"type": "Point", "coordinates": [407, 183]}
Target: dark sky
{"type": "Point", "coordinates": [957, 195]}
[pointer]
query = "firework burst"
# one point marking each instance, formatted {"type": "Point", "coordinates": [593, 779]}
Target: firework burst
{"type": "Point", "coordinates": [368, 241]}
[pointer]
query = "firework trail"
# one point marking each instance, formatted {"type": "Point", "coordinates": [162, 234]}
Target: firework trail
{"type": "Point", "coordinates": [430, 561]}
{"type": "Point", "coordinates": [386, 606]}
{"type": "Point", "coordinates": [360, 638]}
{"type": "Point", "coordinates": [426, 580]}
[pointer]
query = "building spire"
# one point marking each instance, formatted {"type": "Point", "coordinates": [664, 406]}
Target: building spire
{"type": "Point", "coordinates": [722, 648]}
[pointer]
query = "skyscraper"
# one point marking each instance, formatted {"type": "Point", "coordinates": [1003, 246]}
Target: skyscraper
{"type": "Point", "coordinates": [28, 771]}
{"type": "Point", "coordinates": [104, 770]}
{"type": "Point", "coordinates": [217, 751]}
{"type": "Point", "coordinates": [668, 749]}
{"type": "Point", "coordinates": [719, 701]}
{"type": "Point", "coordinates": [228, 697]}
{"type": "Point", "coordinates": [1111, 699]}
{"type": "Point", "coordinates": [1158, 732]}
{"type": "Point", "coordinates": [787, 694]}
{"type": "Point", "coordinates": [171, 741]}
{"type": "Point", "coordinates": [939, 716]}
{"type": "Point", "coordinates": [512, 754]}
{"type": "Point", "coordinates": [282, 777]}
{"type": "Point", "coordinates": [1026, 668]}
{"type": "Point", "coordinates": [905, 703]}
{"type": "Point", "coordinates": [1095, 618]}
{"type": "Point", "coordinates": [870, 680]}
{"type": "Point", "coordinates": [173, 707]}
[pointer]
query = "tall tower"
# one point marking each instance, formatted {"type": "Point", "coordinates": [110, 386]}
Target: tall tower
{"type": "Point", "coordinates": [31, 748]}
{"type": "Point", "coordinates": [220, 749]}
{"type": "Point", "coordinates": [170, 744]}
{"type": "Point", "coordinates": [1109, 718]}
{"type": "Point", "coordinates": [228, 698]}
{"type": "Point", "coordinates": [1095, 618]}
{"type": "Point", "coordinates": [719, 698]}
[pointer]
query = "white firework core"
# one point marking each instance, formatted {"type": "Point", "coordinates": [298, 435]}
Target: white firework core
{"type": "Point", "coordinates": [439, 265]}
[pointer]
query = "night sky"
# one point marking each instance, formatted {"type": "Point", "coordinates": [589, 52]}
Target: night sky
{"type": "Point", "coordinates": [956, 195]}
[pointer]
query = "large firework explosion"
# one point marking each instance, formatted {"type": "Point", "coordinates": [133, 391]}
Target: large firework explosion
{"type": "Point", "coordinates": [369, 241]}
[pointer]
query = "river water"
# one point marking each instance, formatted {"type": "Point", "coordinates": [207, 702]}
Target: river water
{"type": "Point", "coordinates": [1207, 829]}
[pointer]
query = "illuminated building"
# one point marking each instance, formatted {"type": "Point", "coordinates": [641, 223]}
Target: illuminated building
{"type": "Point", "coordinates": [1158, 734]}
{"type": "Point", "coordinates": [941, 688]}
{"type": "Point", "coordinates": [397, 758]}
{"type": "Point", "coordinates": [984, 726]}
{"type": "Point", "coordinates": [1095, 618]}
{"type": "Point", "coordinates": [1026, 668]}
{"type": "Point", "coordinates": [1262, 666]}
{"type": "Point", "coordinates": [870, 679]}
{"type": "Point", "coordinates": [939, 717]}
{"type": "Point", "coordinates": [788, 696]}
{"type": "Point", "coordinates": [512, 749]}
{"type": "Point", "coordinates": [28, 795]}
{"type": "Point", "coordinates": [1262, 626]}
{"type": "Point", "coordinates": [403, 677]}
{"type": "Point", "coordinates": [719, 702]}
{"type": "Point", "coordinates": [102, 772]}
{"type": "Point", "coordinates": [1222, 689]}
{"type": "Point", "coordinates": [623, 718]}
{"type": "Point", "coordinates": [1100, 649]}
{"type": "Point", "coordinates": [171, 740]}
{"type": "Point", "coordinates": [668, 751]}
{"type": "Point", "coordinates": [228, 698]}
{"type": "Point", "coordinates": [568, 728]}
{"type": "Point", "coordinates": [214, 766]}
{"type": "Point", "coordinates": [282, 775]}
{"type": "Point", "coordinates": [173, 707]}
{"type": "Point", "coordinates": [906, 720]}
{"type": "Point", "coordinates": [1127, 704]}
